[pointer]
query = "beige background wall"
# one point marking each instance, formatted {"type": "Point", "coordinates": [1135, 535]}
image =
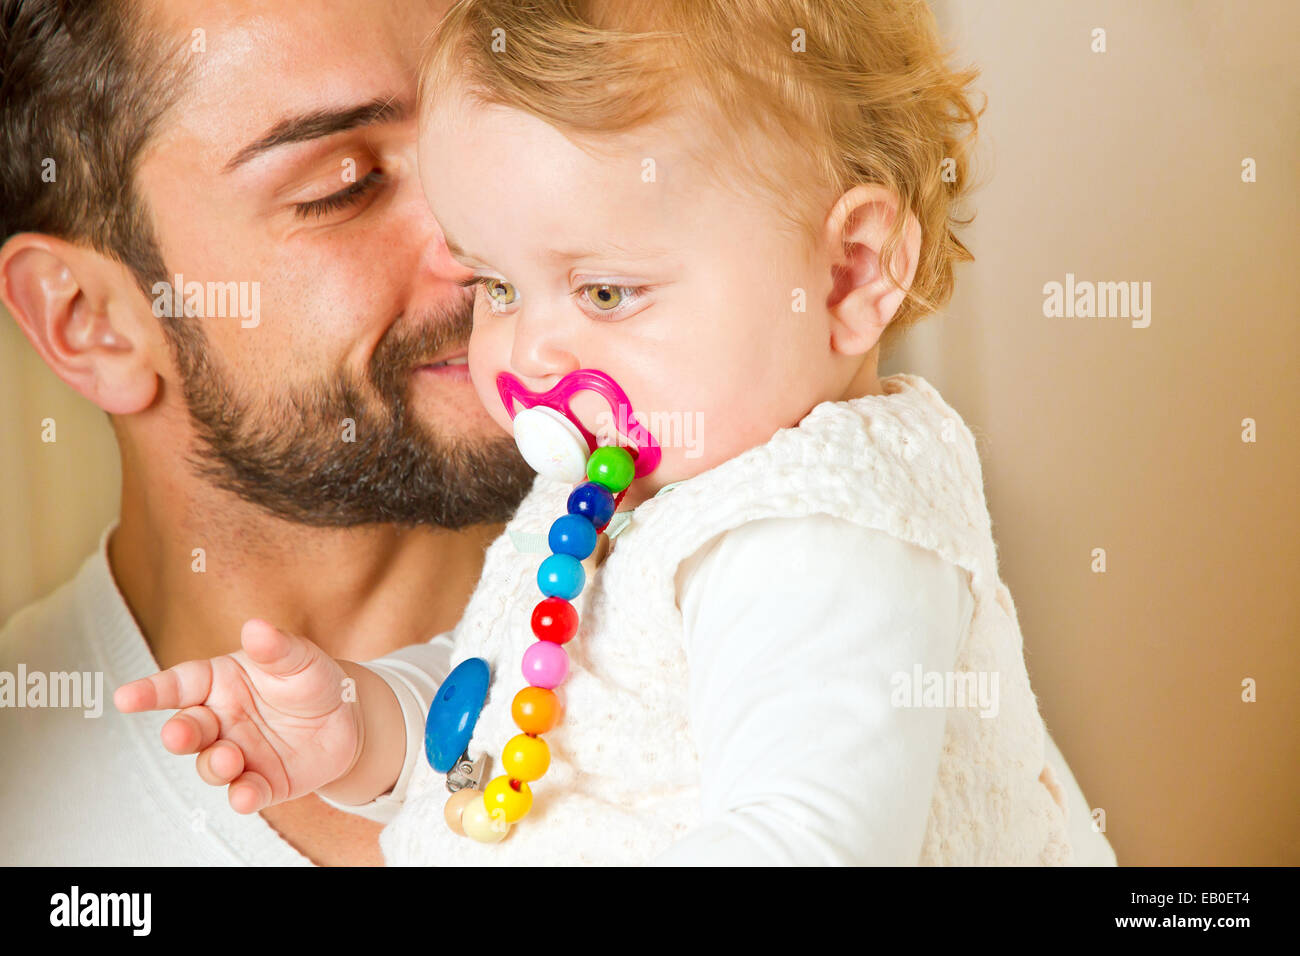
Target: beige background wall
{"type": "Point", "coordinates": [1126, 166]}
{"type": "Point", "coordinates": [1116, 166]}
{"type": "Point", "coordinates": [55, 498]}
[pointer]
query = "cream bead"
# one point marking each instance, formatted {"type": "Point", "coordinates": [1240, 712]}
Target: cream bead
{"type": "Point", "coordinates": [455, 807]}
{"type": "Point", "coordinates": [480, 825]}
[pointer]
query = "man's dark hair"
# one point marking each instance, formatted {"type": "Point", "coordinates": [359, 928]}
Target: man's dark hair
{"type": "Point", "coordinates": [83, 84]}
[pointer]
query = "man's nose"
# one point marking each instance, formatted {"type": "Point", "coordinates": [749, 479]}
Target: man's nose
{"type": "Point", "coordinates": [437, 261]}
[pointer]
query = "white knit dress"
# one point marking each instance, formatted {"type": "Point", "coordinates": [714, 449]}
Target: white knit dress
{"type": "Point", "coordinates": [623, 784]}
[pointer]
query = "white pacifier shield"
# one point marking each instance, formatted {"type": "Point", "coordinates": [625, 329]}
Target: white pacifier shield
{"type": "Point", "coordinates": [551, 444]}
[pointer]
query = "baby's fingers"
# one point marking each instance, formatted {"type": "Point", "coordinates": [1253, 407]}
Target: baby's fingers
{"type": "Point", "coordinates": [249, 793]}
{"type": "Point", "coordinates": [192, 730]}
{"type": "Point", "coordinates": [220, 763]}
{"type": "Point", "coordinates": [277, 652]}
{"type": "Point", "coordinates": [184, 685]}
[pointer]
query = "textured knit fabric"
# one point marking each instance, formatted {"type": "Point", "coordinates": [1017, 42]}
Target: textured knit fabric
{"type": "Point", "coordinates": [624, 781]}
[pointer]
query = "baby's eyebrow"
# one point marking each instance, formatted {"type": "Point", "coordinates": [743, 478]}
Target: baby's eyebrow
{"type": "Point", "coordinates": [595, 251]}
{"type": "Point", "coordinates": [456, 250]}
{"type": "Point", "coordinates": [603, 250]}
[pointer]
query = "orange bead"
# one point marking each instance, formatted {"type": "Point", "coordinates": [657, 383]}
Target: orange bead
{"type": "Point", "coordinates": [536, 710]}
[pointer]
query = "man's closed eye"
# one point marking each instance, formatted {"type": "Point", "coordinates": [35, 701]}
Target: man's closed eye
{"type": "Point", "coordinates": [351, 195]}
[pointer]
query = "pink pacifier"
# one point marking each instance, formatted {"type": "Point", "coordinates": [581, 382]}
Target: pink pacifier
{"type": "Point", "coordinates": [553, 440]}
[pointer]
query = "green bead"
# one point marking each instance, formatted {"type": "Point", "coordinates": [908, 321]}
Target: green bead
{"type": "Point", "coordinates": [611, 467]}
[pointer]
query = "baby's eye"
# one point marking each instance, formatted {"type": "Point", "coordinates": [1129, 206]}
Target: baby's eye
{"type": "Point", "coordinates": [499, 291]}
{"type": "Point", "coordinates": [605, 297]}
{"type": "Point", "coordinates": [608, 299]}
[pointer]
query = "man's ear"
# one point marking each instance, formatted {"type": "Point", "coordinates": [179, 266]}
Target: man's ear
{"type": "Point", "coordinates": [863, 300]}
{"type": "Point", "coordinates": [81, 310]}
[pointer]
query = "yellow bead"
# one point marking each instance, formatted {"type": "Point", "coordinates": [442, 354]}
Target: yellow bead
{"type": "Point", "coordinates": [525, 758]}
{"type": "Point", "coordinates": [499, 795]}
{"type": "Point", "coordinates": [455, 806]}
{"type": "Point", "coordinates": [483, 826]}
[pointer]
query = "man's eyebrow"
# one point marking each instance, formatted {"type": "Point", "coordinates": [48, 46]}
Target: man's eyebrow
{"type": "Point", "coordinates": [320, 123]}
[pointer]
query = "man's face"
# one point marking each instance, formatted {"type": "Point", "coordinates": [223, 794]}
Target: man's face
{"type": "Point", "coordinates": [288, 168]}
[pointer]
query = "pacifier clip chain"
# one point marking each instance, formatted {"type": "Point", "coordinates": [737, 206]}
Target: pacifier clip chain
{"type": "Point", "coordinates": [555, 443]}
{"type": "Point", "coordinates": [487, 815]}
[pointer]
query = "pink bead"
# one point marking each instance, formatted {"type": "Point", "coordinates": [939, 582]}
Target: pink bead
{"type": "Point", "coordinates": [546, 664]}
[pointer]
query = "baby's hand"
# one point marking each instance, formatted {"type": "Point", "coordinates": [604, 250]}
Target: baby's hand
{"type": "Point", "coordinates": [271, 721]}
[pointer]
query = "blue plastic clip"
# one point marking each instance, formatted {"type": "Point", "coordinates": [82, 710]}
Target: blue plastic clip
{"type": "Point", "coordinates": [453, 713]}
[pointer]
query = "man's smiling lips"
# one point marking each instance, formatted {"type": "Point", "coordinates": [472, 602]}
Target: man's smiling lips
{"type": "Point", "coordinates": [454, 367]}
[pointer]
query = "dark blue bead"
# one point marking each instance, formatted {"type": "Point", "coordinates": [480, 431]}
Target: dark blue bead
{"type": "Point", "coordinates": [574, 535]}
{"type": "Point", "coordinates": [453, 713]}
{"type": "Point", "coordinates": [593, 502]}
{"type": "Point", "coordinates": [561, 576]}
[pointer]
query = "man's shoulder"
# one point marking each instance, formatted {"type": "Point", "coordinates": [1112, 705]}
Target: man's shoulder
{"type": "Point", "coordinates": [45, 628]}
{"type": "Point", "coordinates": [84, 784]}
{"type": "Point", "coordinates": [49, 629]}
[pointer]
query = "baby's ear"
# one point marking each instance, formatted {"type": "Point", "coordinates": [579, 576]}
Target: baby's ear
{"type": "Point", "coordinates": [863, 300]}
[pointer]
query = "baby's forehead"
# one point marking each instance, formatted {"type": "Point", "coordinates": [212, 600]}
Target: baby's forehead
{"type": "Point", "coordinates": [679, 152]}
{"type": "Point", "coordinates": [665, 184]}
{"type": "Point", "coordinates": [654, 164]}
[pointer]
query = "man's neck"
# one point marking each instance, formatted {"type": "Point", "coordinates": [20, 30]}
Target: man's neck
{"type": "Point", "coordinates": [193, 570]}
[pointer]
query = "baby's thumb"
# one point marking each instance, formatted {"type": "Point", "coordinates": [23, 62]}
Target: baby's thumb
{"type": "Point", "coordinates": [276, 652]}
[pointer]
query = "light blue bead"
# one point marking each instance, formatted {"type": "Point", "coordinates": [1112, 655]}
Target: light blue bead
{"type": "Point", "coordinates": [561, 575]}
{"type": "Point", "coordinates": [572, 535]}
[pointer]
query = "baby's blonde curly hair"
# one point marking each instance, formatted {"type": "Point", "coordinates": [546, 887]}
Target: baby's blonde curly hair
{"type": "Point", "coordinates": [808, 97]}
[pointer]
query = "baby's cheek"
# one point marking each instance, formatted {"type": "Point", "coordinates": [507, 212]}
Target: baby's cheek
{"type": "Point", "coordinates": [485, 364]}
{"type": "Point", "coordinates": [685, 442]}
{"type": "Point", "coordinates": [707, 436]}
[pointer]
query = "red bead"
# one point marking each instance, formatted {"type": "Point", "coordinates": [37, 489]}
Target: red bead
{"type": "Point", "coordinates": [555, 620]}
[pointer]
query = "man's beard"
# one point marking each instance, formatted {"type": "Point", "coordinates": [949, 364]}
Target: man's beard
{"type": "Point", "coordinates": [287, 453]}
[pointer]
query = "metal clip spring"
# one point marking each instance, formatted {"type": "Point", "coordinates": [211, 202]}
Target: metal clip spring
{"type": "Point", "coordinates": [467, 773]}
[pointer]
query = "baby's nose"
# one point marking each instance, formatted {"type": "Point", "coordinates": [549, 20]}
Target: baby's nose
{"type": "Point", "coordinates": [542, 353]}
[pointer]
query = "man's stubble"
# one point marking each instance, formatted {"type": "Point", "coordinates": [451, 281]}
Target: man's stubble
{"type": "Point", "coordinates": [343, 452]}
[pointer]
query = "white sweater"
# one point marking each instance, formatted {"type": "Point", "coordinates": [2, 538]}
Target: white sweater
{"type": "Point", "coordinates": [729, 695]}
{"type": "Point", "coordinates": [94, 787]}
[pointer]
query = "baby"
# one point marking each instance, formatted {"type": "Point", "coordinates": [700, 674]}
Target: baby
{"type": "Point", "coordinates": [728, 210]}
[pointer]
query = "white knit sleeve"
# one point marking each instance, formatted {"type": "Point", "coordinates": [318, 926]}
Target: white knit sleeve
{"type": "Point", "coordinates": [797, 630]}
{"type": "Point", "coordinates": [414, 673]}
